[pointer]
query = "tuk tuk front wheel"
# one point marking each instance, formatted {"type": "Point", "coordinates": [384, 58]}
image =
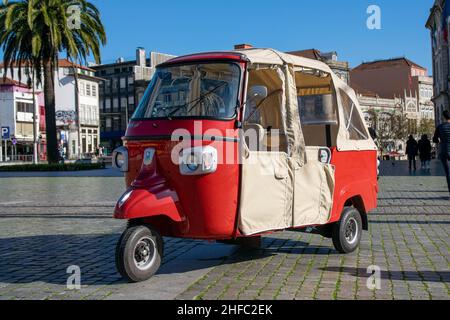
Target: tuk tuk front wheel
{"type": "Point", "coordinates": [347, 233]}
{"type": "Point", "coordinates": [139, 253]}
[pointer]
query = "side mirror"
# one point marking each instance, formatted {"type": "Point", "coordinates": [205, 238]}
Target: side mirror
{"type": "Point", "coordinates": [258, 92]}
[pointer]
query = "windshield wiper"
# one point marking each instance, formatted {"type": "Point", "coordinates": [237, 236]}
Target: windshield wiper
{"type": "Point", "coordinates": [202, 98]}
{"type": "Point", "coordinates": [196, 101]}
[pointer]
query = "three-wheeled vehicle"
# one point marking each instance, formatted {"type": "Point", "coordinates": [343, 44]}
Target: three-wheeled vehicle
{"type": "Point", "coordinates": [233, 145]}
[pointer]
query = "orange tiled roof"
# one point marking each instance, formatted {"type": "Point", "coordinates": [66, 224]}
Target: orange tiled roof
{"type": "Point", "coordinates": [380, 64]}
{"type": "Point", "coordinates": [309, 53]}
{"type": "Point", "coordinates": [62, 63]}
{"type": "Point", "coordinates": [11, 82]}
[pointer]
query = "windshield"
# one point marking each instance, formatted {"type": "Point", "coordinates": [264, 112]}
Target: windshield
{"type": "Point", "coordinates": [207, 90]}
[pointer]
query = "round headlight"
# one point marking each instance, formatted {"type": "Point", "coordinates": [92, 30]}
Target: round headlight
{"type": "Point", "coordinates": [192, 163]}
{"type": "Point", "coordinates": [120, 160]}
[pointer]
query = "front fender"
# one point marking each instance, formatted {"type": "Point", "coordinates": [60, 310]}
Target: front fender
{"type": "Point", "coordinates": [147, 203]}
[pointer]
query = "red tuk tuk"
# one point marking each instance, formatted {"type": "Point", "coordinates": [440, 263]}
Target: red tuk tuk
{"type": "Point", "coordinates": [233, 145]}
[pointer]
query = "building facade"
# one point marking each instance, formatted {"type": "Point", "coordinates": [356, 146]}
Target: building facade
{"type": "Point", "coordinates": [439, 25]}
{"type": "Point", "coordinates": [17, 112]}
{"type": "Point", "coordinates": [397, 78]}
{"type": "Point", "coordinates": [76, 106]}
{"type": "Point", "coordinates": [340, 68]}
{"type": "Point", "coordinates": [123, 86]}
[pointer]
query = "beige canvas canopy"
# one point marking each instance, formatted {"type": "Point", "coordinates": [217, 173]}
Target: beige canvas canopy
{"type": "Point", "coordinates": [290, 64]}
{"type": "Point", "coordinates": [298, 188]}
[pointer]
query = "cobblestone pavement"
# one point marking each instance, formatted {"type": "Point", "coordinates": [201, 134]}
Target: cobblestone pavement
{"type": "Point", "coordinates": [66, 221]}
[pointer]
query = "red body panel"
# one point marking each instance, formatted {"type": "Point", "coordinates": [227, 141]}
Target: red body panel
{"type": "Point", "coordinates": [356, 176]}
{"type": "Point", "coordinates": [200, 206]}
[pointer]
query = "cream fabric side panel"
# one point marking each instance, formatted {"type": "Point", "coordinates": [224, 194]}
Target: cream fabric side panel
{"type": "Point", "coordinates": [294, 132]}
{"type": "Point", "coordinates": [313, 191]}
{"type": "Point", "coordinates": [343, 140]}
{"type": "Point", "coordinates": [266, 193]}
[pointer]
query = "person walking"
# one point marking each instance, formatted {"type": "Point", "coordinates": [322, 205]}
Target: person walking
{"type": "Point", "coordinates": [425, 152]}
{"type": "Point", "coordinates": [442, 137]}
{"type": "Point", "coordinates": [411, 152]}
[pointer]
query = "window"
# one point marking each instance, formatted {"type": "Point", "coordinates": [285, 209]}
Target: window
{"type": "Point", "coordinates": [88, 89]}
{"type": "Point", "coordinates": [123, 83]}
{"type": "Point", "coordinates": [123, 102]}
{"type": "Point", "coordinates": [353, 121]}
{"type": "Point", "coordinates": [317, 105]}
{"type": "Point", "coordinates": [108, 123]}
{"type": "Point", "coordinates": [108, 104]}
{"type": "Point", "coordinates": [263, 119]}
{"type": "Point", "coordinates": [130, 80]}
{"type": "Point", "coordinates": [82, 88]}
{"type": "Point", "coordinates": [211, 92]}
{"type": "Point", "coordinates": [317, 109]}
{"type": "Point", "coordinates": [24, 107]}
{"type": "Point", "coordinates": [116, 124]}
{"type": "Point", "coordinates": [94, 90]}
{"type": "Point", "coordinates": [131, 99]}
{"type": "Point", "coordinates": [116, 103]}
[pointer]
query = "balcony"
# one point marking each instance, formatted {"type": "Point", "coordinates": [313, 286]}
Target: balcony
{"type": "Point", "coordinates": [24, 117]}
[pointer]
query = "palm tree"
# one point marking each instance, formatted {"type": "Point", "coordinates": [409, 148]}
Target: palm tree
{"type": "Point", "coordinates": [35, 32]}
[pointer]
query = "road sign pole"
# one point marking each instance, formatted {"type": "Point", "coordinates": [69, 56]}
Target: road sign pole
{"type": "Point", "coordinates": [6, 150]}
{"type": "Point", "coordinates": [6, 134]}
{"type": "Point", "coordinates": [1, 150]}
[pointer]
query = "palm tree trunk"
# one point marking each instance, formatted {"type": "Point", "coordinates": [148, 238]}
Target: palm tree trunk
{"type": "Point", "coordinates": [50, 114]}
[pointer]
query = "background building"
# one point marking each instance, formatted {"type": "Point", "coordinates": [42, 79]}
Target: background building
{"type": "Point", "coordinates": [340, 68]}
{"type": "Point", "coordinates": [395, 97]}
{"type": "Point", "coordinates": [121, 90]}
{"type": "Point", "coordinates": [17, 113]}
{"type": "Point", "coordinates": [76, 141]}
{"type": "Point", "coordinates": [397, 78]}
{"type": "Point", "coordinates": [438, 24]}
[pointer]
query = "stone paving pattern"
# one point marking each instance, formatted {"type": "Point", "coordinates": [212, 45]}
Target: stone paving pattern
{"type": "Point", "coordinates": [44, 234]}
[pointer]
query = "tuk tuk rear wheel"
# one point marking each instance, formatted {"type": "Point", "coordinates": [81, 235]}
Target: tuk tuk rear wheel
{"type": "Point", "coordinates": [347, 232]}
{"type": "Point", "coordinates": [139, 253]}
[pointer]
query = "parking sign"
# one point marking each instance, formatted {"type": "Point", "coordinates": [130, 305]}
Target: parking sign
{"type": "Point", "coordinates": [5, 133]}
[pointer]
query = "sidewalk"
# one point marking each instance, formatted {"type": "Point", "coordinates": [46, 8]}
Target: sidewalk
{"type": "Point", "coordinates": [48, 224]}
{"type": "Point", "coordinates": [401, 168]}
{"type": "Point", "coordinates": [108, 172]}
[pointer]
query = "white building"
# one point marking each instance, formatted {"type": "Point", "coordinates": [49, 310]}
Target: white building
{"type": "Point", "coordinates": [76, 142]}
{"type": "Point", "coordinates": [16, 113]}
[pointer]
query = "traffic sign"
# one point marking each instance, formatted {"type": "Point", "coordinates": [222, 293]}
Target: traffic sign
{"type": "Point", "coordinates": [6, 133]}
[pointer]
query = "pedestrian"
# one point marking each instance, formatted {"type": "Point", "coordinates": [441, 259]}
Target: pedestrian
{"type": "Point", "coordinates": [411, 152]}
{"type": "Point", "coordinates": [425, 152]}
{"type": "Point", "coordinates": [442, 137]}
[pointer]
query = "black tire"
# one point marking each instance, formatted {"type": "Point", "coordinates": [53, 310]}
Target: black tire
{"type": "Point", "coordinates": [139, 253]}
{"type": "Point", "coordinates": [347, 232]}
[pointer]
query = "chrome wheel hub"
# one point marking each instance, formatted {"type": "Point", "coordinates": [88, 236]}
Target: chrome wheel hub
{"type": "Point", "coordinates": [351, 231]}
{"type": "Point", "coordinates": [144, 253]}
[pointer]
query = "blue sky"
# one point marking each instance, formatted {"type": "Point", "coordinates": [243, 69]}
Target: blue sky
{"type": "Point", "coordinates": [181, 27]}
{"type": "Point", "coordinates": [187, 26]}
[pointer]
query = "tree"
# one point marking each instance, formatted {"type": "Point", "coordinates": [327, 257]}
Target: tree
{"type": "Point", "coordinates": [35, 32]}
{"type": "Point", "coordinates": [427, 126]}
{"type": "Point", "coordinates": [392, 128]}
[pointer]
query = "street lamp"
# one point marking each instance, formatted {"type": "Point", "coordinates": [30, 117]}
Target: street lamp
{"type": "Point", "coordinates": [35, 141]}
